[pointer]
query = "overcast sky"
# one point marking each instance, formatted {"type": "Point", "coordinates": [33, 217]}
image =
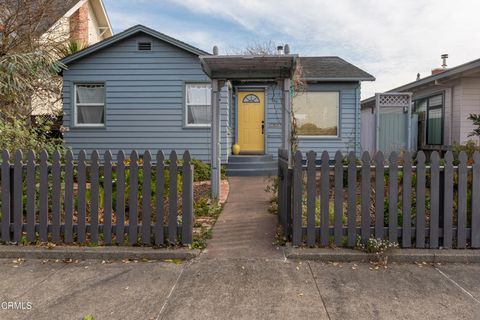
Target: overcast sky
{"type": "Point", "coordinates": [391, 39]}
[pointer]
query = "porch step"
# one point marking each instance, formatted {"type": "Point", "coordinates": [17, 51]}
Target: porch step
{"type": "Point", "coordinates": [251, 165]}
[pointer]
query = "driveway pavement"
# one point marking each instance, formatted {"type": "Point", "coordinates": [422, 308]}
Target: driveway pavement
{"type": "Point", "coordinates": [208, 288]}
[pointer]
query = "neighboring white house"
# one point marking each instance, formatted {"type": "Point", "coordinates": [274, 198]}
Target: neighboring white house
{"type": "Point", "coordinates": [442, 101]}
{"type": "Point", "coordinates": [82, 21]}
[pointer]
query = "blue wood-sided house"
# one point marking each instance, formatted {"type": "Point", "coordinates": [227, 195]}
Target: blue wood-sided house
{"type": "Point", "coordinates": [143, 90]}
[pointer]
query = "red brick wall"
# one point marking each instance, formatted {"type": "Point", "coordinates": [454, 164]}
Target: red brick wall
{"type": "Point", "coordinates": [79, 25]}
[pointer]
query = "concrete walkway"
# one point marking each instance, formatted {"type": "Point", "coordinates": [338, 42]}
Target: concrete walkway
{"type": "Point", "coordinates": [245, 228]}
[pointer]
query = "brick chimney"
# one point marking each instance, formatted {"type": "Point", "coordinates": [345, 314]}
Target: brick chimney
{"type": "Point", "coordinates": [444, 65]}
{"type": "Point", "coordinates": [437, 71]}
{"type": "Point", "coordinates": [79, 25]}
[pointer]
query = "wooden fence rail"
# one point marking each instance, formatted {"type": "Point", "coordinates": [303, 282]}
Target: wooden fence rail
{"type": "Point", "coordinates": [54, 198]}
{"type": "Point", "coordinates": [407, 201]}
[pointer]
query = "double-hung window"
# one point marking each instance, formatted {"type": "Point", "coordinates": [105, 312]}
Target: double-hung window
{"type": "Point", "coordinates": [198, 104]}
{"type": "Point", "coordinates": [89, 105]}
{"type": "Point", "coordinates": [432, 110]}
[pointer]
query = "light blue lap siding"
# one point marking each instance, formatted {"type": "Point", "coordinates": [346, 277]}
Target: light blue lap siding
{"type": "Point", "coordinates": [349, 137]}
{"type": "Point", "coordinates": [145, 102]}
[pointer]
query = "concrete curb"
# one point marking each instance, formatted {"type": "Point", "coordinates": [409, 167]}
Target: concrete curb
{"type": "Point", "coordinates": [396, 255]}
{"type": "Point", "coordinates": [101, 253]}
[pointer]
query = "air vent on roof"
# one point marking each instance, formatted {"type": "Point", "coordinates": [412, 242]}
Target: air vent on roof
{"type": "Point", "coordinates": [144, 46]}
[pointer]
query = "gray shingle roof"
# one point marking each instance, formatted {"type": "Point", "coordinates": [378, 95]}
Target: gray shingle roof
{"type": "Point", "coordinates": [331, 68]}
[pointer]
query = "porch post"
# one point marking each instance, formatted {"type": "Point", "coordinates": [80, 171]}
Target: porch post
{"type": "Point", "coordinates": [215, 141]}
{"type": "Point", "coordinates": [286, 115]}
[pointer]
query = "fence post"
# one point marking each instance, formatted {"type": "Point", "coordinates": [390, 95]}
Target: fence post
{"type": "Point", "coordinates": [6, 192]}
{"type": "Point", "coordinates": [107, 197]}
{"type": "Point", "coordinates": [420, 225]}
{"type": "Point", "coordinates": [43, 197]}
{"type": "Point", "coordinates": [379, 195]}
{"type": "Point", "coordinates": [31, 194]}
{"type": "Point", "coordinates": [462, 200]}
{"type": "Point", "coordinates": [365, 196]}
{"type": "Point", "coordinates": [407, 201]}
{"type": "Point", "coordinates": [56, 190]}
{"type": "Point", "coordinates": [133, 200]}
{"type": "Point", "coordinates": [94, 192]}
{"type": "Point", "coordinates": [187, 199]}
{"type": "Point", "coordinates": [434, 198]}
{"type": "Point", "coordinates": [297, 200]}
{"type": "Point", "coordinates": [393, 198]}
{"type": "Point", "coordinates": [325, 199]}
{"type": "Point", "coordinates": [146, 197]}
{"type": "Point", "coordinates": [448, 201]}
{"type": "Point", "coordinates": [352, 199]}
{"type": "Point", "coordinates": [120, 205]}
{"type": "Point", "coordinates": [476, 201]}
{"type": "Point", "coordinates": [338, 204]}
{"type": "Point", "coordinates": [69, 197]}
{"type": "Point", "coordinates": [311, 198]}
{"type": "Point", "coordinates": [160, 189]}
{"type": "Point", "coordinates": [172, 199]}
{"type": "Point", "coordinates": [82, 181]}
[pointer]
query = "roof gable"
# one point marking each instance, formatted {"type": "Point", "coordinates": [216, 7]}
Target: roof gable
{"type": "Point", "coordinates": [128, 33]}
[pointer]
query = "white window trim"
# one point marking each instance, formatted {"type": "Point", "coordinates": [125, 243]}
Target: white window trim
{"type": "Point", "coordinates": [190, 125]}
{"type": "Point", "coordinates": [337, 136]}
{"type": "Point", "coordinates": [75, 105]}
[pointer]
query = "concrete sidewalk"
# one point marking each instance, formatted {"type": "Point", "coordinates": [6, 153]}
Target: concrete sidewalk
{"type": "Point", "coordinates": [239, 289]}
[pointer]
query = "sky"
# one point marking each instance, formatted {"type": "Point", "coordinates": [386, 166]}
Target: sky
{"type": "Point", "coordinates": [391, 39]}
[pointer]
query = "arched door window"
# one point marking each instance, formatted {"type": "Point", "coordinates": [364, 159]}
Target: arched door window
{"type": "Point", "coordinates": [251, 98]}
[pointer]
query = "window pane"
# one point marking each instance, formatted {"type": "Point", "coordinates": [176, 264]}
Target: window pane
{"type": "Point", "coordinates": [199, 94]}
{"type": "Point", "coordinates": [199, 115]}
{"type": "Point", "coordinates": [317, 113]}
{"type": "Point", "coordinates": [434, 126]}
{"type": "Point", "coordinates": [435, 101]}
{"type": "Point", "coordinates": [94, 93]}
{"type": "Point", "coordinates": [90, 115]}
{"type": "Point", "coordinates": [420, 106]}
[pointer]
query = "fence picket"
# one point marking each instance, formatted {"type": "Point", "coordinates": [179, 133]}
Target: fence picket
{"type": "Point", "coordinates": [325, 199]}
{"type": "Point", "coordinates": [297, 200]}
{"type": "Point", "coordinates": [69, 197]}
{"type": "Point", "coordinates": [476, 201]}
{"type": "Point", "coordinates": [187, 199]}
{"type": "Point", "coordinates": [448, 201]}
{"type": "Point", "coordinates": [352, 199]}
{"type": "Point", "coordinates": [17, 196]}
{"type": "Point", "coordinates": [172, 199]}
{"type": "Point", "coordinates": [160, 190]}
{"type": "Point", "coordinates": [120, 201]}
{"type": "Point", "coordinates": [365, 194]}
{"type": "Point", "coordinates": [56, 190]}
{"type": "Point", "coordinates": [82, 207]}
{"type": "Point", "coordinates": [379, 194]}
{"type": "Point", "coordinates": [43, 197]}
{"type": "Point", "coordinates": [6, 196]}
{"type": "Point", "coordinates": [31, 196]}
{"type": "Point", "coordinates": [462, 200]}
{"type": "Point", "coordinates": [393, 198]}
{"type": "Point", "coordinates": [107, 198]}
{"type": "Point", "coordinates": [146, 197]}
{"type": "Point", "coordinates": [311, 197]}
{"type": "Point", "coordinates": [434, 198]}
{"type": "Point", "coordinates": [338, 199]}
{"type": "Point", "coordinates": [94, 193]}
{"type": "Point", "coordinates": [420, 221]}
{"type": "Point", "coordinates": [133, 200]}
{"type": "Point", "coordinates": [407, 201]}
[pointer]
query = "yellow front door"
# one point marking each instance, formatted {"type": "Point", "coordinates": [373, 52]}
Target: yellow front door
{"type": "Point", "coordinates": [251, 111]}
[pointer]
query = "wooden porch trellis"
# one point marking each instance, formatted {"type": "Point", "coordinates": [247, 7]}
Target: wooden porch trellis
{"type": "Point", "coordinates": [58, 211]}
{"type": "Point", "coordinates": [433, 204]}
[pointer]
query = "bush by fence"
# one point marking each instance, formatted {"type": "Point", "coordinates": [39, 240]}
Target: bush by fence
{"type": "Point", "coordinates": [91, 200]}
{"type": "Point", "coordinates": [407, 201]}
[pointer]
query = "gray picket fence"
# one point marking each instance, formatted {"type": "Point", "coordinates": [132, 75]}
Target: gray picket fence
{"type": "Point", "coordinates": [411, 202]}
{"type": "Point", "coordinates": [93, 200]}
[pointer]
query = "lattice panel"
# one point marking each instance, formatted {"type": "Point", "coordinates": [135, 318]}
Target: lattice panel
{"type": "Point", "coordinates": [394, 100]}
